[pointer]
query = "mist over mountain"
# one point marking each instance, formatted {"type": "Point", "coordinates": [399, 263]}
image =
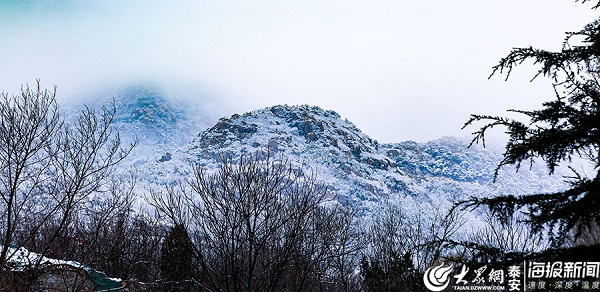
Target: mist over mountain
{"type": "Point", "coordinates": [148, 114]}
{"type": "Point", "coordinates": [156, 119]}
{"type": "Point", "coordinates": [173, 135]}
{"type": "Point", "coordinates": [356, 169]}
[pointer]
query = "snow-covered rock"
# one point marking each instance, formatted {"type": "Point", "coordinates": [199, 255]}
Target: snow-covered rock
{"type": "Point", "coordinates": [356, 169]}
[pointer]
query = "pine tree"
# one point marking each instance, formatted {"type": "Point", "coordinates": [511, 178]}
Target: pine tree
{"type": "Point", "coordinates": [176, 264]}
{"type": "Point", "coordinates": [395, 273]}
{"type": "Point", "coordinates": [567, 126]}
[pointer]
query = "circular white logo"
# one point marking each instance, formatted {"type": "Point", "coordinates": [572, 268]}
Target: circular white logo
{"type": "Point", "coordinates": [436, 278]}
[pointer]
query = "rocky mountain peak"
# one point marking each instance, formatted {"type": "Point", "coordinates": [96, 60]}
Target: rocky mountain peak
{"type": "Point", "coordinates": [283, 128]}
{"type": "Point", "coordinates": [355, 168]}
{"type": "Point", "coordinates": [147, 111]}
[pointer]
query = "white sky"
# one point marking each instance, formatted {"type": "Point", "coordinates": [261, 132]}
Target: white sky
{"type": "Point", "coordinates": [400, 70]}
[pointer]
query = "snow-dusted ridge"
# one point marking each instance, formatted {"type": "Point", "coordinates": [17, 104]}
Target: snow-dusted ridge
{"type": "Point", "coordinates": [355, 168]}
{"type": "Point", "coordinates": [154, 118]}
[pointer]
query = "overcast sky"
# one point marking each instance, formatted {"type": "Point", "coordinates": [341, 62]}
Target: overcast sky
{"type": "Point", "coordinates": [400, 70]}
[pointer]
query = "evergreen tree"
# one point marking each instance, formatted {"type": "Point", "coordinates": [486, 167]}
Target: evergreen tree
{"type": "Point", "coordinates": [176, 264]}
{"type": "Point", "coordinates": [567, 126]}
{"type": "Point", "coordinates": [395, 273]}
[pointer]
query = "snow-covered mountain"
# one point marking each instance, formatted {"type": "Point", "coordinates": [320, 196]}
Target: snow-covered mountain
{"type": "Point", "coordinates": [357, 169]}
{"type": "Point", "coordinates": [148, 114]}
{"type": "Point", "coordinates": [155, 119]}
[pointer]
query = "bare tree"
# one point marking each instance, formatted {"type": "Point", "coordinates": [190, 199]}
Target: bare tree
{"type": "Point", "coordinates": [513, 235]}
{"type": "Point", "coordinates": [338, 244]}
{"type": "Point", "coordinates": [401, 246]}
{"type": "Point", "coordinates": [586, 235]}
{"type": "Point", "coordinates": [260, 224]}
{"type": "Point", "coordinates": [110, 235]}
{"type": "Point", "coordinates": [252, 215]}
{"type": "Point", "coordinates": [327, 253]}
{"type": "Point", "coordinates": [499, 242]}
{"type": "Point", "coordinates": [28, 124]}
{"type": "Point", "coordinates": [49, 168]}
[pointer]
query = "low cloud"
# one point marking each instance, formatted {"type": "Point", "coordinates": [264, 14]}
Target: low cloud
{"type": "Point", "coordinates": [398, 70]}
